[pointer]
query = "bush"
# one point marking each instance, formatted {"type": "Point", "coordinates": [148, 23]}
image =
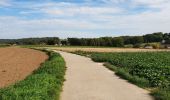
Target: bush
{"type": "Point", "coordinates": [137, 46]}
{"type": "Point", "coordinates": [128, 46]}
{"type": "Point", "coordinates": [154, 45]}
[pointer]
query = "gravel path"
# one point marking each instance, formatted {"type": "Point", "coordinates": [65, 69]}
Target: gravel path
{"type": "Point", "coordinates": [87, 80]}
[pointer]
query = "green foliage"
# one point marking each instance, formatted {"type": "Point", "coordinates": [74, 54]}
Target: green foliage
{"type": "Point", "coordinates": [122, 72]}
{"type": "Point", "coordinates": [154, 45]}
{"type": "Point", "coordinates": [129, 46]}
{"type": "Point", "coordinates": [133, 39]}
{"type": "Point", "coordinates": [136, 40]}
{"type": "Point", "coordinates": [137, 46]}
{"type": "Point", "coordinates": [162, 93]}
{"type": "Point", "coordinates": [166, 37]}
{"type": "Point", "coordinates": [74, 41]}
{"type": "Point", "coordinates": [44, 84]}
{"type": "Point", "coordinates": [101, 41]}
{"type": "Point", "coordinates": [32, 41]}
{"type": "Point", "coordinates": [4, 45]}
{"type": "Point", "coordinates": [118, 42]}
{"type": "Point", "coordinates": [155, 66]}
{"type": "Point", "coordinates": [155, 37]}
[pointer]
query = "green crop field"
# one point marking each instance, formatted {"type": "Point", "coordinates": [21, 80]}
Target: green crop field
{"type": "Point", "coordinates": [44, 84]}
{"type": "Point", "coordinates": [145, 69]}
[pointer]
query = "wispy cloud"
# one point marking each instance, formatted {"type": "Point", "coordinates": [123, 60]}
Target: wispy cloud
{"type": "Point", "coordinates": [4, 3]}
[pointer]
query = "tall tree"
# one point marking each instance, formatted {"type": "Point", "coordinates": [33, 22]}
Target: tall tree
{"type": "Point", "coordinates": [117, 42]}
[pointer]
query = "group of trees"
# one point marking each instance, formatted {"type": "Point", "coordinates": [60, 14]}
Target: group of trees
{"type": "Point", "coordinates": [32, 41]}
{"type": "Point", "coordinates": [166, 37]}
{"type": "Point", "coordinates": [120, 41]}
{"type": "Point", "coordinates": [102, 41]}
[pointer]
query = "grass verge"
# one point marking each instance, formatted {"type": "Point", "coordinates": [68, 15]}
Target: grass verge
{"type": "Point", "coordinates": [44, 84]}
{"type": "Point", "coordinates": [121, 72]}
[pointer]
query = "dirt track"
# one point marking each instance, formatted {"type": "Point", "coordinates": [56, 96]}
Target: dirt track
{"type": "Point", "coordinates": [17, 63]}
{"type": "Point", "coordinates": [87, 80]}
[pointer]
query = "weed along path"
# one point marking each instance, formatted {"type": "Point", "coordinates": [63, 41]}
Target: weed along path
{"type": "Point", "coordinates": [87, 80]}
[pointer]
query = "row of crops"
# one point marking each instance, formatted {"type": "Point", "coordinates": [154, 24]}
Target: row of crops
{"type": "Point", "coordinates": [152, 66]}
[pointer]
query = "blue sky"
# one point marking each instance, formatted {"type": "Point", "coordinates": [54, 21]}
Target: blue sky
{"type": "Point", "coordinates": [82, 18]}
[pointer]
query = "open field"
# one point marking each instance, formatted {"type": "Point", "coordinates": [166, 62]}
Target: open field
{"type": "Point", "coordinates": [17, 63]}
{"type": "Point", "coordinates": [145, 69]}
{"type": "Point", "coordinates": [94, 48]}
{"type": "Point", "coordinates": [45, 83]}
{"type": "Point", "coordinates": [91, 49]}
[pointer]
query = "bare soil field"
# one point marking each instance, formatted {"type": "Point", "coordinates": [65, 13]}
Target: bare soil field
{"type": "Point", "coordinates": [72, 49]}
{"type": "Point", "coordinates": [18, 63]}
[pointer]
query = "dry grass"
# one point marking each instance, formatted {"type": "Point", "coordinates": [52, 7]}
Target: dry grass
{"type": "Point", "coordinates": [91, 49]}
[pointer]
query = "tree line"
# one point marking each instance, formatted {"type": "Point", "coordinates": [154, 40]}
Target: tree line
{"type": "Point", "coordinates": [102, 41]}
{"type": "Point", "coordinates": [32, 41]}
{"type": "Point", "coordinates": [120, 41]}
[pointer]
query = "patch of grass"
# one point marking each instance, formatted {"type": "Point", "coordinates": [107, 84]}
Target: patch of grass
{"type": "Point", "coordinates": [4, 45]}
{"type": "Point", "coordinates": [122, 72]}
{"type": "Point", "coordinates": [44, 84]}
{"type": "Point", "coordinates": [162, 94]}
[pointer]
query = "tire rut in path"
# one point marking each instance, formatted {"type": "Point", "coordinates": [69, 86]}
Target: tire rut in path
{"type": "Point", "coordinates": [87, 80]}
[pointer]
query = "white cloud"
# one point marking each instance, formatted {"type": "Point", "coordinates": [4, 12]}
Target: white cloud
{"type": "Point", "coordinates": [4, 3]}
{"type": "Point", "coordinates": [150, 2]}
{"type": "Point", "coordinates": [69, 19]}
{"type": "Point", "coordinates": [73, 11]}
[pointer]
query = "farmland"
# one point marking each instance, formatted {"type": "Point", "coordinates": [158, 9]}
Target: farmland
{"type": "Point", "coordinates": [45, 83]}
{"type": "Point", "coordinates": [93, 48]}
{"type": "Point", "coordinates": [18, 63]}
{"type": "Point", "coordinates": [145, 69]}
{"type": "Point", "coordinates": [149, 70]}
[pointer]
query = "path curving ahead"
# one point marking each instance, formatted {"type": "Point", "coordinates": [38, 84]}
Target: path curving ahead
{"type": "Point", "coordinates": [87, 80]}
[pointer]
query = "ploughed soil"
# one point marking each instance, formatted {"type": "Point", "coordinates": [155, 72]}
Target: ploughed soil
{"type": "Point", "coordinates": [17, 63]}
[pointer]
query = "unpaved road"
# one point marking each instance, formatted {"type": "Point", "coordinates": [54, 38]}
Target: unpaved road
{"type": "Point", "coordinates": [87, 80]}
{"type": "Point", "coordinates": [18, 63]}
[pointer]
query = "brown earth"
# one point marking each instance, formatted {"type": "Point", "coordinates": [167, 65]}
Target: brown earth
{"type": "Point", "coordinates": [72, 49]}
{"type": "Point", "coordinates": [17, 63]}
